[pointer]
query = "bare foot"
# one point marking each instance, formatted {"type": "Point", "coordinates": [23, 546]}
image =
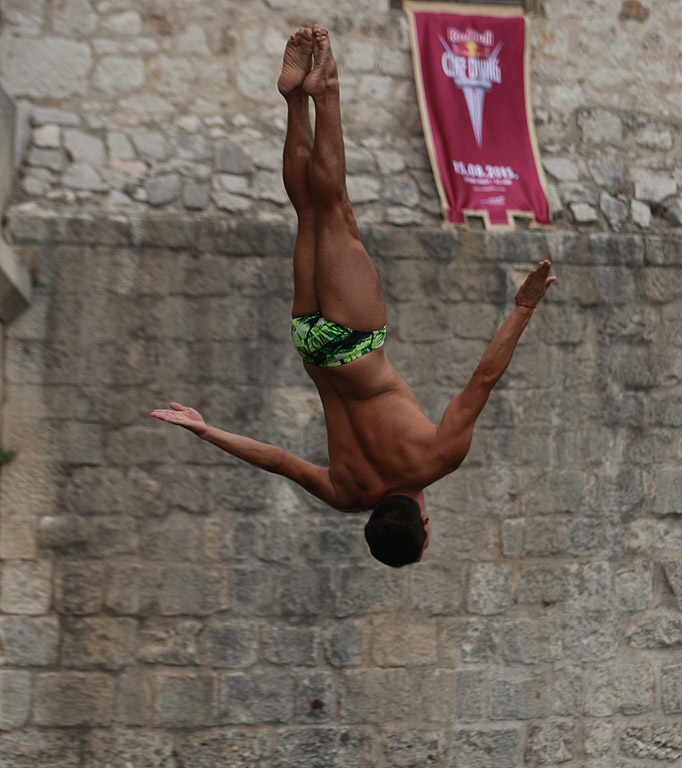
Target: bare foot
{"type": "Point", "coordinates": [298, 61]}
{"type": "Point", "coordinates": [324, 73]}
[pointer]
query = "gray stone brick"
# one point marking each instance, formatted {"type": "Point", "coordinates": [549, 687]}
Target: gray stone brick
{"type": "Point", "coordinates": [35, 748]}
{"type": "Point", "coordinates": [129, 588]}
{"type": "Point", "coordinates": [15, 693]}
{"type": "Point", "coordinates": [323, 747]}
{"type": "Point", "coordinates": [518, 698]}
{"type": "Point", "coordinates": [315, 698]}
{"type": "Point", "coordinates": [671, 684]}
{"type": "Point", "coordinates": [26, 587]}
{"type": "Point", "coordinates": [363, 590]}
{"type": "Point", "coordinates": [531, 641]}
{"type": "Point", "coordinates": [436, 590]}
{"type": "Point", "coordinates": [98, 642]}
{"type": "Point", "coordinates": [224, 748]}
{"type": "Point", "coordinates": [634, 588]}
{"type": "Point", "coordinates": [652, 742]}
{"type": "Point", "coordinates": [472, 694]}
{"type": "Point", "coordinates": [398, 643]}
{"type": "Point", "coordinates": [29, 642]}
{"type": "Point", "coordinates": [374, 695]}
{"type": "Point", "coordinates": [549, 744]}
{"type": "Point", "coordinates": [598, 739]}
{"type": "Point", "coordinates": [547, 584]}
{"type": "Point", "coordinates": [495, 748]}
{"type": "Point", "coordinates": [346, 644]}
{"type": "Point", "coordinates": [260, 697]}
{"type": "Point", "coordinates": [626, 689]}
{"type": "Point", "coordinates": [185, 699]}
{"type": "Point", "coordinates": [79, 587]}
{"type": "Point", "coordinates": [257, 591]}
{"type": "Point", "coordinates": [120, 748]}
{"type": "Point", "coordinates": [133, 698]}
{"type": "Point", "coordinates": [67, 699]}
{"type": "Point", "coordinates": [489, 589]}
{"type": "Point", "coordinates": [291, 645]}
{"type": "Point", "coordinates": [229, 644]}
{"type": "Point", "coordinates": [473, 641]}
{"type": "Point", "coordinates": [656, 633]}
{"type": "Point", "coordinates": [169, 641]}
{"type": "Point", "coordinates": [414, 750]}
{"type": "Point", "coordinates": [588, 638]}
{"type": "Point", "coordinates": [193, 590]}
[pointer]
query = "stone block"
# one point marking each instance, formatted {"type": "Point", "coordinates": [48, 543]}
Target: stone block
{"type": "Point", "coordinates": [547, 584]}
{"type": "Point", "coordinates": [36, 748]}
{"type": "Point", "coordinates": [658, 633]}
{"type": "Point", "coordinates": [374, 695]}
{"type": "Point", "coordinates": [120, 747]}
{"type": "Point", "coordinates": [494, 748]}
{"type": "Point", "coordinates": [230, 158]}
{"type": "Point", "coordinates": [489, 589]}
{"type": "Point", "coordinates": [129, 588]}
{"type": "Point", "coordinates": [436, 693]}
{"type": "Point", "coordinates": [133, 698]}
{"type": "Point", "coordinates": [517, 697]}
{"type": "Point", "coordinates": [185, 699]}
{"type": "Point", "coordinates": [240, 749]}
{"type": "Point", "coordinates": [626, 689]}
{"type": "Point", "coordinates": [193, 590]}
{"type": "Point", "coordinates": [98, 643]}
{"type": "Point", "coordinates": [414, 750]}
{"type": "Point", "coordinates": [653, 187]}
{"type": "Point", "coordinates": [323, 747]}
{"type": "Point", "coordinates": [671, 686]}
{"type": "Point", "coordinates": [471, 694]}
{"type": "Point", "coordinates": [633, 588]}
{"type": "Point", "coordinates": [67, 699]}
{"type": "Point", "coordinates": [315, 697]}
{"type": "Point", "coordinates": [531, 641]}
{"type": "Point", "coordinates": [590, 638]}
{"type": "Point", "coordinates": [79, 587]}
{"type": "Point", "coordinates": [163, 189]}
{"type": "Point", "coordinates": [365, 590]}
{"type": "Point", "coordinates": [83, 147]}
{"type": "Point", "coordinates": [28, 642]}
{"type": "Point", "coordinates": [119, 74]}
{"type": "Point", "coordinates": [599, 739]}
{"type": "Point", "coordinates": [397, 643]}
{"type": "Point", "coordinates": [229, 644]}
{"type": "Point", "coordinates": [15, 693]}
{"type": "Point", "coordinates": [46, 67]}
{"type": "Point", "coordinates": [472, 641]}
{"type": "Point", "coordinates": [436, 590]}
{"type": "Point", "coordinates": [549, 744]}
{"type": "Point", "coordinates": [346, 644]}
{"type": "Point", "coordinates": [662, 742]}
{"type": "Point", "coordinates": [297, 646]}
{"type": "Point", "coordinates": [600, 126]}
{"type": "Point", "coordinates": [26, 587]}
{"type": "Point", "coordinates": [256, 698]}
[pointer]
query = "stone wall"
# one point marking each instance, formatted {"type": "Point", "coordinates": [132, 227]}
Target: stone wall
{"type": "Point", "coordinates": [164, 606]}
{"type": "Point", "coordinates": [168, 104]}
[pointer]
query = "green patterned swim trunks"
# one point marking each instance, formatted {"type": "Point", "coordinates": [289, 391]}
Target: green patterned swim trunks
{"type": "Point", "coordinates": [326, 344]}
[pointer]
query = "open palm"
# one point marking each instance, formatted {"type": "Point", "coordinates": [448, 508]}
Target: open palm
{"type": "Point", "coordinates": [535, 285]}
{"type": "Point", "coordinates": [183, 416]}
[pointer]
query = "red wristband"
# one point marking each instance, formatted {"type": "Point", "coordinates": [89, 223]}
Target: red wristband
{"type": "Point", "coordinates": [529, 306]}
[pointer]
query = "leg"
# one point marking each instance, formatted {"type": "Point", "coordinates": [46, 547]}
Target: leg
{"type": "Point", "coordinates": [297, 149]}
{"type": "Point", "coordinates": [348, 286]}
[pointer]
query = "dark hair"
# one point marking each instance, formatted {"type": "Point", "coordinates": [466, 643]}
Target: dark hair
{"type": "Point", "coordinates": [395, 532]}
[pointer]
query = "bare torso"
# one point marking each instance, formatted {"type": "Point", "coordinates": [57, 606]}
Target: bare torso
{"type": "Point", "coordinates": [380, 441]}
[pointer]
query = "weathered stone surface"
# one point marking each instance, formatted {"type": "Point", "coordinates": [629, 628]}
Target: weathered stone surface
{"type": "Point", "coordinates": [654, 742]}
{"type": "Point", "coordinates": [26, 587]}
{"type": "Point", "coordinates": [66, 699]}
{"type": "Point", "coordinates": [48, 67]}
{"type": "Point", "coordinates": [163, 189]}
{"type": "Point", "coordinates": [121, 747]}
{"type": "Point", "coordinates": [487, 749]}
{"type": "Point", "coordinates": [33, 748]}
{"type": "Point", "coordinates": [628, 690]}
{"type": "Point", "coordinates": [185, 699]}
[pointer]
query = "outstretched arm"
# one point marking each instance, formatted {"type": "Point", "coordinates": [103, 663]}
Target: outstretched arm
{"type": "Point", "coordinates": [309, 476]}
{"type": "Point", "coordinates": [457, 425]}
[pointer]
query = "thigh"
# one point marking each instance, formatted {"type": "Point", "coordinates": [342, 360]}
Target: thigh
{"type": "Point", "coordinates": [346, 281]}
{"type": "Point", "coordinates": [305, 292]}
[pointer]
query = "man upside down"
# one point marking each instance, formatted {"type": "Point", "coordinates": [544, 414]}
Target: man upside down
{"type": "Point", "coordinates": [383, 451]}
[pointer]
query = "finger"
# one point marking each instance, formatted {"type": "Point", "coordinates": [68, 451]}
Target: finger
{"type": "Point", "coordinates": [177, 407]}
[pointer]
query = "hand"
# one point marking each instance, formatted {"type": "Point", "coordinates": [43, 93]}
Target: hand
{"type": "Point", "coordinates": [183, 417]}
{"type": "Point", "coordinates": [535, 285]}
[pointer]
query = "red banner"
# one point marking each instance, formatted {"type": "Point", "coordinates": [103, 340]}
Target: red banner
{"type": "Point", "coordinates": [472, 72]}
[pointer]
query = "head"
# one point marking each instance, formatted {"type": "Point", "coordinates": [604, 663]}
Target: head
{"type": "Point", "coordinates": [398, 531]}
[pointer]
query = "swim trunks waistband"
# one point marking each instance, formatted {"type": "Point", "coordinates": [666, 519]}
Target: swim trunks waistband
{"type": "Point", "coordinates": [325, 344]}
